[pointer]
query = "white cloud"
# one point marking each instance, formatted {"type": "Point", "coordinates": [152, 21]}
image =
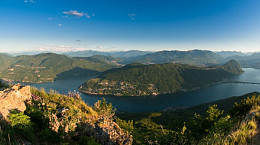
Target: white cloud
{"type": "Point", "coordinates": [77, 14]}
{"type": "Point", "coordinates": [60, 25]}
{"type": "Point", "coordinates": [50, 19]}
{"type": "Point", "coordinates": [74, 13]}
{"type": "Point", "coordinates": [132, 16]}
{"type": "Point", "coordinates": [29, 1]}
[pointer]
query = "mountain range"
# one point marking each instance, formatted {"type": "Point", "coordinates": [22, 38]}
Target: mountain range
{"type": "Point", "coordinates": [119, 54]}
{"type": "Point", "coordinates": [232, 53]}
{"type": "Point", "coordinates": [193, 57]}
{"type": "Point", "coordinates": [46, 67]}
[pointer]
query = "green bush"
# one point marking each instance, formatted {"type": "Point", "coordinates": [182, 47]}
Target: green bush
{"type": "Point", "coordinates": [127, 126]}
{"type": "Point", "coordinates": [201, 126]}
{"type": "Point", "coordinates": [242, 108]}
{"type": "Point", "coordinates": [22, 124]}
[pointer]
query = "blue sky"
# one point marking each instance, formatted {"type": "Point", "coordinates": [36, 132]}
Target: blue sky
{"type": "Point", "coordinates": [105, 25]}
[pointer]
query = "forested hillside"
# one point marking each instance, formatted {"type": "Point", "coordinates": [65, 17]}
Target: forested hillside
{"type": "Point", "coordinates": [48, 67]}
{"type": "Point", "coordinates": [140, 80]}
{"type": "Point", "coordinates": [5, 61]}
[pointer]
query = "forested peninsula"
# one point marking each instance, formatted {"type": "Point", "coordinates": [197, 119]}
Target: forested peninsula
{"type": "Point", "coordinates": [138, 79]}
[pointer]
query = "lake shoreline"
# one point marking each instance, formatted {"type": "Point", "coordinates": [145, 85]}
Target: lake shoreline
{"type": "Point", "coordinates": [158, 94]}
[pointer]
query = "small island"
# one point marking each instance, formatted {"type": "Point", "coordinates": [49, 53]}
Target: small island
{"type": "Point", "coordinates": [145, 80]}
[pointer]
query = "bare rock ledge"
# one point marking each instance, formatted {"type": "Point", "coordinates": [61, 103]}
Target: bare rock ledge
{"type": "Point", "coordinates": [14, 98]}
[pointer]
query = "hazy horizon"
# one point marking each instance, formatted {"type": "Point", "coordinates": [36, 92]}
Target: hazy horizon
{"type": "Point", "coordinates": [16, 53]}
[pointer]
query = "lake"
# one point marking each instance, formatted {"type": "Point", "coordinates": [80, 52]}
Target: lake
{"type": "Point", "coordinates": [158, 103]}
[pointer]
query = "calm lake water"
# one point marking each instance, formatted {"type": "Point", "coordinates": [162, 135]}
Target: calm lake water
{"type": "Point", "coordinates": [157, 103]}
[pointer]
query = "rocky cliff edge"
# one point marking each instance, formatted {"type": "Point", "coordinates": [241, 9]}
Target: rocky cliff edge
{"type": "Point", "coordinates": [14, 98]}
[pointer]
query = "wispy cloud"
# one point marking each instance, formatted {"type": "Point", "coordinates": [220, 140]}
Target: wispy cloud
{"type": "Point", "coordinates": [50, 19]}
{"type": "Point", "coordinates": [59, 25]}
{"type": "Point", "coordinates": [88, 16]}
{"type": "Point", "coordinates": [59, 48]}
{"type": "Point", "coordinates": [29, 1]}
{"type": "Point", "coordinates": [132, 16]}
{"type": "Point", "coordinates": [77, 14]}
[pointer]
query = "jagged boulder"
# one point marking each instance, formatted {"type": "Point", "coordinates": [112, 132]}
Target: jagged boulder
{"type": "Point", "coordinates": [107, 132]}
{"type": "Point", "coordinates": [14, 98]}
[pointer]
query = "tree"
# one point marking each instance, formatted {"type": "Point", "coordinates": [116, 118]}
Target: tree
{"type": "Point", "coordinates": [104, 109]}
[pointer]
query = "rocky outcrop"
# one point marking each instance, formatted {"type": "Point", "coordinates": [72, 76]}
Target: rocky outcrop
{"type": "Point", "coordinates": [60, 121]}
{"type": "Point", "coordinates": [14, 98]}
{"type": "Point", "coordinates": [103, 129]}
{"type": "Point", "coordinates": [107, 132]}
